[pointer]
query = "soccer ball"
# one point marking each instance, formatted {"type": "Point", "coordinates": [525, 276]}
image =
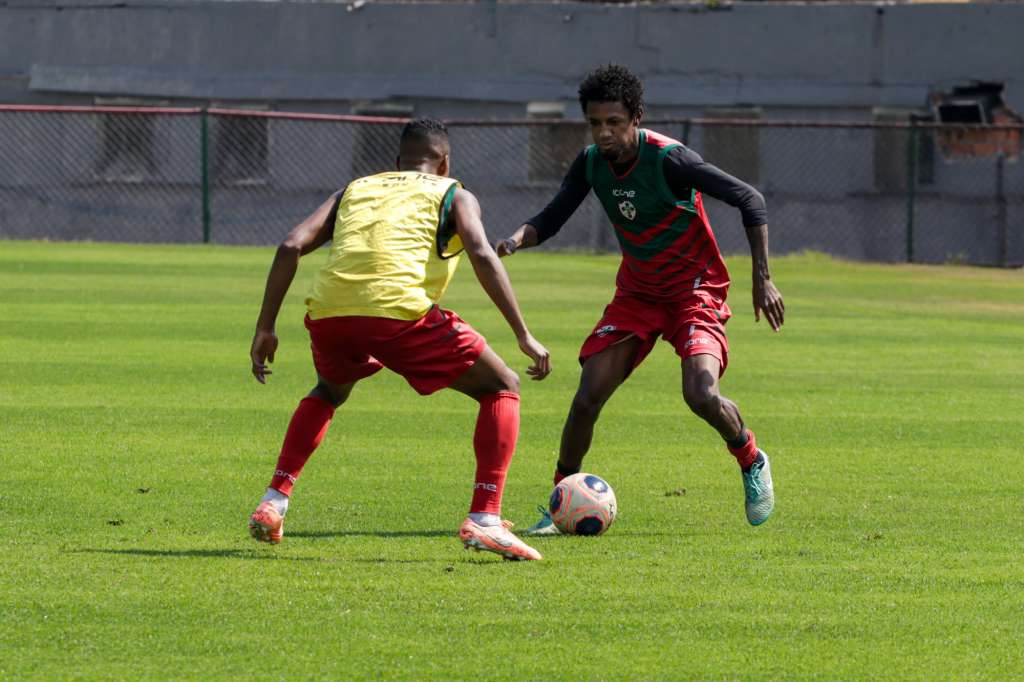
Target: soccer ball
{"type": "Point", "coordinates": [582, 504]}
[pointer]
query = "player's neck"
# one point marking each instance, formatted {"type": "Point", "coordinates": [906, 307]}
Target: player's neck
{"type": "Point", "coordinates": [429, 166]}
{"type": "Point", "coordinates": [625, 162]}
{"type": "Point", "coordinates": [628, 157]}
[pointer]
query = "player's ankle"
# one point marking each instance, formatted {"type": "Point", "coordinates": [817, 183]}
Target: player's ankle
{"type": "Point", "coordinates": [485, 519]}
{"type": "Point", "coordinates": [739, 441]}
{"type": "Point", "coordinates": [746, 450]}
{"type": "Point", "coordinates": [562, 471]}
{"type": "Point", "coordinates": [278, 499]}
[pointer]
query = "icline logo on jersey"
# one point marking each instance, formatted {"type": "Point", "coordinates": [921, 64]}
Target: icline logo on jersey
{"type": "Point", "coordinates": [627, 209]}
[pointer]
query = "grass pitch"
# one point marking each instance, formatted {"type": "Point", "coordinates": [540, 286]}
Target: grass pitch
{"type": "Point", "coordinates": [134, 443]}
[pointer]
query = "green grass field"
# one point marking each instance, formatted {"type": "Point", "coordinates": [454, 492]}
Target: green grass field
{"type": "Point", "coordinates": [134, 443]}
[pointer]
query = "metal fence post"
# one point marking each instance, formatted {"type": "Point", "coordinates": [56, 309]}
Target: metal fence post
{"type": "Point", "coordinates": [911, 187]}
{"type": "Point", "coordinates": [204, 162]}
{"type": "Point", "coordinates": [1001, 223]}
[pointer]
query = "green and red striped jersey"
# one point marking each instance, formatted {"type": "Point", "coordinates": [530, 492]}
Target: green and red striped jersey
{"type": "Point", "coordinates": [657, 212]}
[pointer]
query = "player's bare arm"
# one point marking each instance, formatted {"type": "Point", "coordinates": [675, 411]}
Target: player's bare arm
{"type": "Point", "coordinates": [523, 238]}
{"type": "Point", "coordinates": [493, 278]}
{"type": "Point", "coordinates": [307, 236]}
{"type": "Point", "coordinates": [549, 221]}
{"type": "Point", "coordinates": [683, 169]}
{"type": "Point", "coordinates": [767, 298]}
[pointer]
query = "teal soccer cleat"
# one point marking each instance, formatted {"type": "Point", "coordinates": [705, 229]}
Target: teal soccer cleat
{"type": "Point", "coordinates": [758, 490]}
{"type": "Point", "coordinates": [543, 527]}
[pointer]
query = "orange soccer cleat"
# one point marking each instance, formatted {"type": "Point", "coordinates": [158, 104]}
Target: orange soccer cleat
{"type": "Point", "coordinates": [266, 524]}
{"type": "Point", "coordinates": [497, 539]}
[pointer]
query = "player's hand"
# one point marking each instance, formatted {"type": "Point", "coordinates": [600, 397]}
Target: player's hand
{"type": "Point", "coordinates": [264, 344]}
{"type": "Point", "coordinates": [505, 247]}
{"type": "Point", "coordinates": [768, 300]}
{"type": "Point", "coordinates": [541, 366]}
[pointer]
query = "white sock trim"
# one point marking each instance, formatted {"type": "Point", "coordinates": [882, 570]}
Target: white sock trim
{"type": "Point", "coordinates": [485, 519]}
{"type": "Point", "coordinates": [278, 499]}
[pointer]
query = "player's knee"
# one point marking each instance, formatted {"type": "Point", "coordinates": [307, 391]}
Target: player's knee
{"type": "Point", "coordinates": [509, 381]}
{"type": "Point", "coordinates": [328, 393]}
{"type": "Point", "coordinates": [586, 405]}
{"type": "Point", "coordinates": [701, 401]}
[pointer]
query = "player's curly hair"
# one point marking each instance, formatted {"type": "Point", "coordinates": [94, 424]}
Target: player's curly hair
{"type": "Point", "coordinates": [613, 83]}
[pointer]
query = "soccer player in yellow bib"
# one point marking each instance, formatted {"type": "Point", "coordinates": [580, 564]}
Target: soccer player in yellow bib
{"type": "Point", "coordinates": [395, 241]}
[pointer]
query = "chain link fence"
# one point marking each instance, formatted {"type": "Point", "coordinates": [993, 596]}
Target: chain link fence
{"type": "Point", "coordinates": [888, 192]}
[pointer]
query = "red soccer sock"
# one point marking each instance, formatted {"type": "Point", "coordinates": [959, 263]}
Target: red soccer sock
{"type": "Point", "coordinates": [305, 431]}
{"type": "Point", "coordinates": [497, 429]}
{"type": "Point", "coordinates": [746, 453]}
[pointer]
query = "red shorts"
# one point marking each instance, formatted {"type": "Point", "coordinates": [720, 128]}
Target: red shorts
{"type": "Point", "coordinates": [430, 353]}
{"type": "Point", "coordinates": [694, 326]}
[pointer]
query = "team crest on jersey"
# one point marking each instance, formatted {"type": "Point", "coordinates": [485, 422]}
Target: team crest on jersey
{"type": "Point", "coordinates": [627, 209]}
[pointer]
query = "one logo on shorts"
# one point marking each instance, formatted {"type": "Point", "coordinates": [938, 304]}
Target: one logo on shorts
{"type": "Point", "coordinates": [698, 341]}
{"type": "Point", "coordinates": [605, 330]}
{"type": "Point", "coordinates": [627, 209]}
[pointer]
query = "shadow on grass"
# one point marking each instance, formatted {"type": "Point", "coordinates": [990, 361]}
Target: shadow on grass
{"type": "Point", "coordinates": [373, 533]}
{"type": "Point", "coordinates": [197, 553]}
{"type": "Point", "coordinates": [454, 534]}
{"type": "Point", "coordinates": [382, 560]}
{"type": "Point", "coordinates": [262, 555]}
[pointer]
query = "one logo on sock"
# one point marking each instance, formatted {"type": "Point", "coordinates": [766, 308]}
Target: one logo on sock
{"type": "Point", "coordinates": [282, 474]}
{"type": "Point", "coordinates": [489, 487]}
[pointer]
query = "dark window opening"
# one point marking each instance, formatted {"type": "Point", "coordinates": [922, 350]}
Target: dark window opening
{"type": "Point", "coordinates": [240, 149]}
{"type": "Point", "coordinates": [126, 152]}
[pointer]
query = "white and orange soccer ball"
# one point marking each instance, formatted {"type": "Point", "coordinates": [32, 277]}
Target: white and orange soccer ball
{"type": "Point", "coordinates": [582, 504]}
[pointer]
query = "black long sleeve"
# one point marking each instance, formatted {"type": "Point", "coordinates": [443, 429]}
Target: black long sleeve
{"type": "Point", "coordinates": [685, 169]}
{"type": "Point", "coordinates": [570, 195]}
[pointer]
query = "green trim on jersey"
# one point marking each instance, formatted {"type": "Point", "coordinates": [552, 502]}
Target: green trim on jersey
{"type": "Point", "coordinates": [688, 204]}
{"type": "Point", "coordinates": [446, 232]}
{"type": "Point", "coordinates": [591, 154]}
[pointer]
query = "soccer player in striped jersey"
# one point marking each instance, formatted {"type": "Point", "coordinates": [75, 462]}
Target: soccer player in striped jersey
{"type": "Point", "coordinates": [672, 281]}
{"type": "Point", "coordinates": [395, 240]}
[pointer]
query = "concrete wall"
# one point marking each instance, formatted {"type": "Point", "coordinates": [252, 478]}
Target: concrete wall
{"type": "Point", "coordinates": [777, 56]}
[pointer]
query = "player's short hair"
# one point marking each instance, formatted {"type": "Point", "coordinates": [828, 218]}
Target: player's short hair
{"type": "Point", "coordinates": [423, 137]}
{"type": "Point", "coordinates": [613, 83]}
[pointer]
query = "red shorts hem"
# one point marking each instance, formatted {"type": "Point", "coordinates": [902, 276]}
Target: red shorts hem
{"type": "Point", "coordinates": [429, 353]}
{"type": "Point", "coordinates": [694, 325]}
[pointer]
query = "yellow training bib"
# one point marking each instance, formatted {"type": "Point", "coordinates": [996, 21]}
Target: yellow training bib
{"type": "Point", "coordinates": [390, 255]}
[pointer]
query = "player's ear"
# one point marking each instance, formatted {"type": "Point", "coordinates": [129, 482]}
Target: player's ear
{"type": "Point", "coordinates": [639, 116]}
{"type": "Point", "coordinates": [442, 168]}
